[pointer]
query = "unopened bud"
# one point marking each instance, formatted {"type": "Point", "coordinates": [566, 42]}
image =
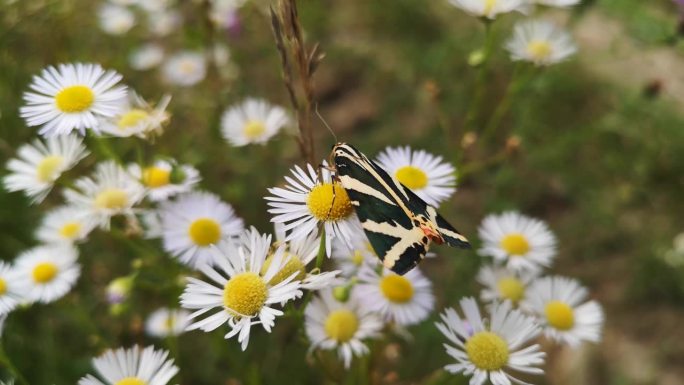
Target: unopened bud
{"type": "Point", "coordinates": [469, 138]}
{"type": "Point", "coordinates": [341, 293]}
{"type": "Point", "coordinates": [513, 144]}
{"type": "Point", "coordinates": [177, 175]}
{"type": "Point", "coordinates": [118, 290]}
{"type": "Point", "coordinates": [476, 58]}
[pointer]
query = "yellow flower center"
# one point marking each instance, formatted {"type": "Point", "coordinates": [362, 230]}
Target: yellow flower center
{"type": "Point", "coordinates": [559, 315]}
{"type": "Point", "coordinates": [112, 198]}
{"type": "Point", "coordinates": [169, 322]}
{"type": "Point", "coordinates": [293, 265]}
{"type": "Point", "coordinates": [48, 167]}
{"type": "Point", "coordinates": [3, 286]}
{"type": "Point", "coordinates": [245, 294]}
{"type": "Point", "coordinates": [131, 118]}
{"type": "Point", "coordinates": [44, 272]}
{"type": "Point", "coordinates": [487, 351]}
{"type": "Point", "coordinates": [204, 231]}
{"type": "Point", "coordinates": [515, 244]}
{"type": "Point", "coordinates": [341, 325]}
{"type": "Point", "coordinates": [70, 230]}
{"type": "Point", "coordinates": [511, 288]}
{"type": "Point", "coordinates": [539, 49]}
{"type": "Point", "coordinates": [357, 258]}
{"type": "Point", "coordinates": [188, 67]}
{"type": "Point", "coordinates": [254, 129]}
{"type": "Point", "coordinates": [131, 381]}
{"type": "Point", "coordinates": [74, 99]}
{"type": "Point", "coordinates": [156, 177]}
{"type": "Point", "coordinates": [329, 202]}
{"type": "Point", "coordinates": [489, 7]}
{"type": "Point", "coordinates": [396, 288]}
{"type": "Point", "coordinates": [412, 177]}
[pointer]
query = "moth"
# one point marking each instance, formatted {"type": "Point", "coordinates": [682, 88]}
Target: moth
{"type": "Point", "coordinates": [399, 225]}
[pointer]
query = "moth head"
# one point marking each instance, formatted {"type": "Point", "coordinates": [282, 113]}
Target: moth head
{"type": "Point", "coordinates": [428, 228]}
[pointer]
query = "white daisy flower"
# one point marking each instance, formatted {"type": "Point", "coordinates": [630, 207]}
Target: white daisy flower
{"type": "Point", "coordinates": [350, 260]}
{"type": "Point", "coordinates": [40, 164]}
{"type": "Point", "coordinates": [195, 222]}
{"type": "Point", "coordinates": [165, 179]}
{"type": "Point", "coordinates": [185, 68]}
{"type": "Point", "coordinates": [561, 306]}
{"type": "Point", "coordinates": [307, 201]}
{"type": "Point", "coordinates": [166, 322]}
{"type": "Point", "coordinates": [146, 57]}
{"type": "Point", "coordinates": [341, 326]}
{"type": "Point", "coordinates": [47, 272]}
{"type": "Point", "coordinates": [518, 241]}
{"type": "Point", "coordinates": [489, 351]}
{"type": "Point", "coordinates": [132, 367]}
{"type": "Point", "coordinates": [432, 179]}
{"type": "Point", "coordinates": [162, 23]}
{"type": "Point", "coordinates": [556, 3]}
{"type": "Point", "coordinates": [72, 97]}
{"type": "Point", "coordinates": [10, 281]}
{"type": "Point", "coordinates": [110, 191]}
{"type": "Point", "coordinates": [65, 224]}
{"type": "Point", "coordinates": [501, 284]}
{"type": "Point", "coordinates": [403, 299]}
{"type": "Point", "coordinates": [115, 20]}
{"type": "Point", "coordinates": [489, 8]}
{"type": "Point", "coordinates": [241, 291]}
{"type": "Point", "coordinates": [540, 42]}
{"type": "Point", "coordinates": [252, 121]}
{"type": "Point", "coordinates": [137, 118]}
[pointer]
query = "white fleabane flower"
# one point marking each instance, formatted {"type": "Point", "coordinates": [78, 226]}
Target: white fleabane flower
{"type": "Point", "coordinates": [40, 164]}
{"type": "Point", "coordinates": [115, 20]}
{"type": "Point", "coordinates": [427, 175]}
{"type": "Point", "coordinates": [561, 306]}
{"type": "Point", "coordinates": [137, 118]}
{"type": "Point", "coordinates": [556, 3]}
{"type": "Point", "coordinates": [72, 97]}
{"type": "Point", "coordinates": [241, 292]}
{"type": "Point", "coordinates": [350, 260]}
{"type": "Point", "coordinates": [47, 273]}
{"type": "Point", "coordinates": [166, 322]}
{"type": "Point", "coordinates": [65, 224]}
{"type": "Point", "coordinates": [501, 284]}
{"type": "Point", "coordinates": [185, 68]}
{"type": "Point", "coordinates": [194, 223]}
{"type": "Point", "coordinates": [490, 350]}
{"type": "Point", "coordinates": [252, 121]}
{"type": "Point", "coordinates": [165, 179]}
{"type": "Point", "coordinates": [306, 201]}
{"type": "Point", "coordinates": [110, 191]}
{"type": "Point", "coordinates": [331, 324]}
{"type": "Point", "coordinates": [404, 299]}
{"type": "Point", "coordinates": [132, 367]}
{"type": "Point", "coordinates": [540, 42]}
{"type": "Point", "coordinates": [162, 23]}
{"type": "Point", "coordinates": [146, 57]}
{"type": "Point", "coordinates": [10, 281]}
{"type": "Point", "coordinates": [518, 241]}
{"type": "Point", "coordinates": [489, 8]}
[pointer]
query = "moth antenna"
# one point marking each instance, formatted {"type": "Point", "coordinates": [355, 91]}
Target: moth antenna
{"type": "Point", "coordinates": [325, 123]}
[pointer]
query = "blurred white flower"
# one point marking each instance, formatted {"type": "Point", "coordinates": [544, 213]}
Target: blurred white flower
{"type": "Point", "coordinates": [137, 118]}
{"type": "Point", "coordinates": [556, 3]}
{"type": "Point", "coordinates": [501, 284]}
{"type": "Point", "coordinates": [165, 179]}
{"type": "Point", "coordinates": [146, 57]}
{"type": "Point", "coordinates": [10, 281]}
{"type": "Point", "coordinates": [41, 163]}
{"type": "Point", "coordinates": [540, 42]}
{"type": "Point", "coordinates": [166, 322]}
{"type": "Point", "coordinates": [72, 97]}
{"type": "Point", "coordinates": [351, 259]}
{"type": "Point", "coordinates": [115, 20]}
{"type": "Point", "coordinates": [185, 68]}
{"type": "Point", "coordinates": [252, 121]}
{"type": "Point", "coordinates": [65, 224]}
{"type": "Point", "coordinates": [132, 367]}
{"type": "Point", "coordinates": [162, 23]}
{"type": "Point", "coordinates": [47, 273]}
{"type": "Point", "coordinates": [489, 8]}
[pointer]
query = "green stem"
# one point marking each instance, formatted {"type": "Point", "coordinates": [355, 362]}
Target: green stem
{"type": "Point", "coordinates": [104, 148]}
{"type": "Point", "coordinates": [480, 82]}
{"type": "Point", "coordinates": [7, 363]}
{"type": "Point", "coordinates": [514, 86]}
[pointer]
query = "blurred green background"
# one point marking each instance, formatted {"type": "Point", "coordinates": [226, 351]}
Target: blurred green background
{"type": "Point", "coordinates": [601, 158]}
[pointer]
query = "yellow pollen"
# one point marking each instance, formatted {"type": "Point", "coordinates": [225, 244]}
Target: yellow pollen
{"type": "Point", "coordinates": [169, 322]}
{"type": "Point", "coordinates": [131, 118]}
{"type": "Point", "coordinates": [156, 177]}
{"type": "Point", "coordinates": [293, 265]}
{"type": "Point", "coordinates": [559, 315]}
{"type": "Point", "coordinates": [511, 288]}
{"type": "Point", "coordinates": [487, 351]}
{"type": "Point", "coordinates": [204, 231]}
{"type": "Point", "coordinates": [253, 129]}
{"type": "Point", "coordinates": [44, 272]}
{"type": "Point", "coordinates": [245, 294]}
{"type": "Point", "coordinates": [74, 99]}
{"type": "Point", "coordinates": [113, 198]}
{"type": "Point", "coordinates": [48, 167]}
{"type": "Point", "coordinates": [322, 205]}
{"type": "Point", "coordinates": [3, 286]}
{"type": "Point", "coordinates": [396, 288]}
{"type": "Point", "coordinates": [489, 7]}
{"type": "Point", "coordinates": [515, 244]}
{"type": "Point", "coordinates": [341, 325]}
{"type": "Point", "coordinates": [412, 177]}
{"type": "Point", "coordinates": [70, 230]}
{"type": "Point", "coordinates": [357, 258]}
{"type": "Point", "coordinates": [131, 381]}
{"type": "Point", "coordinates": [539, 49]}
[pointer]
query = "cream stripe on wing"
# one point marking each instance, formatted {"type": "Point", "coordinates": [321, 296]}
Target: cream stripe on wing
{"type": "Point", "coordinates": [350, 183]}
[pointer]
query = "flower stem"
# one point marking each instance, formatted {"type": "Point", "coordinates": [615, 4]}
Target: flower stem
{"type": "Point", "coordinates": [105, 149]}
{"type": "Point", "coordinates": [481, 80]}
{"type": "Point", "coordinates": [7, 363]}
